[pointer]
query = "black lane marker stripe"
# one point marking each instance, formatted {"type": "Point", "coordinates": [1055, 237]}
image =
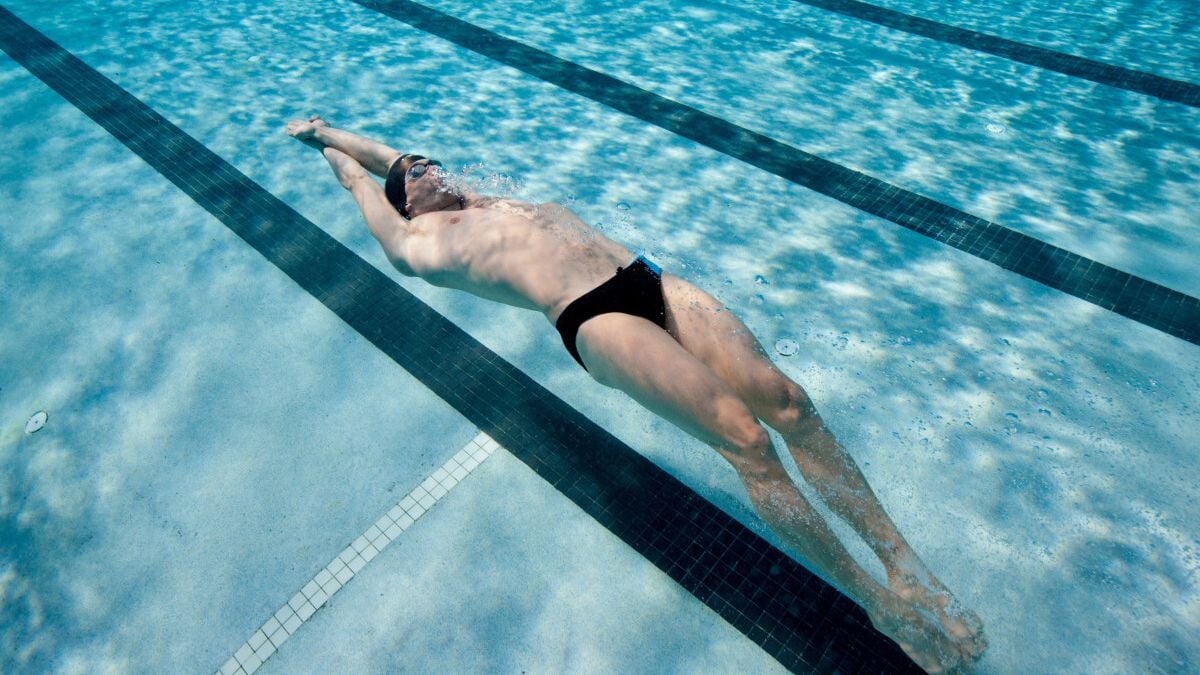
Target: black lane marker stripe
{"type": "Point", "coordinates": [794, 616]}
{"type": "Point", "coordinates": [1143, 301]}
{"type": "Point", "coordinates": [1138, 81]}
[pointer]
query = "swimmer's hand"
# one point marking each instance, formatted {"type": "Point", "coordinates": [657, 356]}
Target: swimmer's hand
{"type": "Point", "coordinates": [306, 131]}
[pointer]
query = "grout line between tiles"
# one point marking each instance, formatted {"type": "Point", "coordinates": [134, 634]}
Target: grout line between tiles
{"type": "Point", "coordinates": [293, 614]}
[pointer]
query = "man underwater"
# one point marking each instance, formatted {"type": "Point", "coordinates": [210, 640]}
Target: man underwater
{"type": "Point", "coordinates": [671, 347]}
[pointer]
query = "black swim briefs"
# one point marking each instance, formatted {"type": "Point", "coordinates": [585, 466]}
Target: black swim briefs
{"type": "Point", "coordinates": [635, 290]}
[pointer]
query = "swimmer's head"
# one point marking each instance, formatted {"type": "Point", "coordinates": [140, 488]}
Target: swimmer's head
{"type": "Point", "coordinates": [418, 185]}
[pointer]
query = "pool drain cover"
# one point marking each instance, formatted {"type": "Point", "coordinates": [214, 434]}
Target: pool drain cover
{"type": "Point", "coordinates": [787, 347]}
{"type": "Point", "coordinates": [36, 422]}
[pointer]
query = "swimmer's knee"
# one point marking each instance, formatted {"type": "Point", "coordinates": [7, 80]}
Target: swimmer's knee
{"type": "Point", "coordinates": [752, 440]}
{"type": "Point", "coordinates": [788, 405]}
{"type": "Point", "coordinates": [751, 452]}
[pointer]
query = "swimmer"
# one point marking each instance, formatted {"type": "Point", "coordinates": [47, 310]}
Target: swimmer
{"type": "Point", "coordinates": [670, 346]}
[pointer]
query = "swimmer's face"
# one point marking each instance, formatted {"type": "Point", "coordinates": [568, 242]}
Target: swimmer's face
{"type": "Point", "coordinates": [427, 189]}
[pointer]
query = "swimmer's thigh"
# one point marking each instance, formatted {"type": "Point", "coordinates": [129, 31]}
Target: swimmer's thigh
{"type": "Point", "coordinates": [716, 337]}
{"type": "Point", "coordinates": [634, 355]}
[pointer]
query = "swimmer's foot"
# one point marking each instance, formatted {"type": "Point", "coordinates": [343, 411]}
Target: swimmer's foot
{"type": "Point", "coordinates": [305, 131]}
{"type": "Point", "coordinates": [920, 636]}
{"type": "Point", "coordinates": [923, 591]}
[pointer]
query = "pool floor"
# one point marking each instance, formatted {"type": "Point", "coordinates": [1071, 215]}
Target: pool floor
{"type": "Point", "coordinates": [217, 438]}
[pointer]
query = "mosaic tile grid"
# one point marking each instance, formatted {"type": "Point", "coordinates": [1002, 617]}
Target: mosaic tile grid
{"type": "Point", "coordinates": [250, 656]}
{"type": "Point", "coordinates": [1149, 84]}
{"type": "Point", "coordinates": [793, 615]}
{"type": "Point", "coordinates": [1135, 298]}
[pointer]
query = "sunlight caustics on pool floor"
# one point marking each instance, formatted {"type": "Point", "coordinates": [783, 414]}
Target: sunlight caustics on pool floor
{"type": "Point", "coordinates": [1144, 301]}
{"type": "Point", "coordinates": [1166, 88]}
{"type": "Point", "coordinates": [383, 532]}
{"type": "Point", "coordinates": [761, 591]}
{"type": "Point", "coordinates": [772, 599]}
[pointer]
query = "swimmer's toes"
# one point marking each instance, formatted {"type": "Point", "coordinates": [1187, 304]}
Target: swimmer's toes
{"type": "Point", "coordinates": [924, 641]}
{"type": "Point", "coordinates": [959, 621]}
{"type": "Point", "coordinates": [972, 647]}
{"type": "Point", "coordinates": [976, 646]}
{"type": "Point", "coordinates": [967, 626]}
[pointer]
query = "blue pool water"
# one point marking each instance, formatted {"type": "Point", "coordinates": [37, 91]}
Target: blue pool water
{"type": "Point", "coordinates": [215, 435]}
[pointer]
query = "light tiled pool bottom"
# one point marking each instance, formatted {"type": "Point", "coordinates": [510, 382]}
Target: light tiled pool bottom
{"type": "Point", "coordinates": [459, 587]}
{"type": "Point", "coordinates": [317, 592]}
{"type": "Point", "coordinates": [782, 609]}
{"type": "Point", "coordinates": [507, 575]}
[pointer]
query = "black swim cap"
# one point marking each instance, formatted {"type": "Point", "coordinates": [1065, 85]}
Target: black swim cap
{"type": "Point", "coordinates": [394, 185]}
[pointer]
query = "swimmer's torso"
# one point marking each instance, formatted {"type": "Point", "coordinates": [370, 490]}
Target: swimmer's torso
{"type": "Point", "coordinates": [538, 257]}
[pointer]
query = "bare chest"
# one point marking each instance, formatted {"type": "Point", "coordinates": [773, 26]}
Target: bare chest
{"type": "Point", "coordinates": [538, 257]}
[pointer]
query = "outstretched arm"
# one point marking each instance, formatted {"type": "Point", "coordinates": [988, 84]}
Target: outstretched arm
{"type": "Point", "coordinates": [372, 155]}
{"type": "Point", "coordinates": [391, 230]}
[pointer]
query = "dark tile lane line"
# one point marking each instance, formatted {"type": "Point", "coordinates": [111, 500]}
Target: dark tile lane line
{"type": "Point", "coordinates": [1133, 297]}
{"type": "Point", "coordinates": [1138, 81]}
{"type": "Point", "coordinates": [794, 616]}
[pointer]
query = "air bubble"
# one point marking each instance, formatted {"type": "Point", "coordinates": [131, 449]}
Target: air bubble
{"type": "Point", "coordinates": [623, 206]}
{"type": "Point", "coordinates": [996, 129]}
{"type": "Point", "coordinates": [761, 280]}
{"type": "Point", "coordinates": [757, 299]}
{"type": "Point", "coordinates": [787, 347]}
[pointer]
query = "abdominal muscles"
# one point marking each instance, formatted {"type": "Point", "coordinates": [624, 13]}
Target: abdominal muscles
{"type": "Point", "coordinates": [535, 257]}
